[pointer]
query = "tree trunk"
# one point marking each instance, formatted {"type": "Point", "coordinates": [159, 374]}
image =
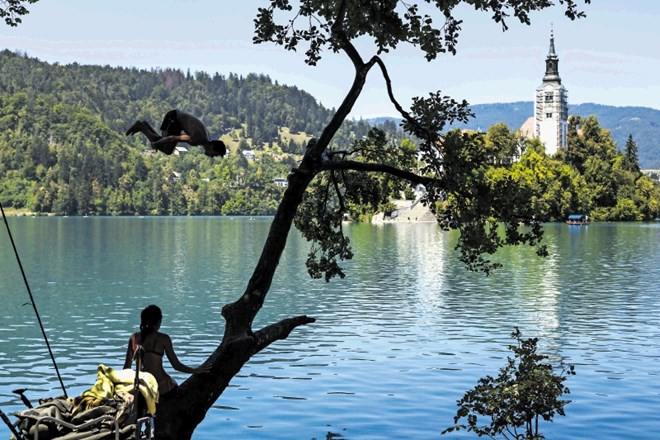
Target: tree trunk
{"type": "Point", "coordinates": [180, 412]}
{"type": "Point", "coordinates": [178, 415]}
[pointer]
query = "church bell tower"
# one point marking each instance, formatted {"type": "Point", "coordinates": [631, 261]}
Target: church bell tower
{"type": "Point", "coordinates": [551, 105]}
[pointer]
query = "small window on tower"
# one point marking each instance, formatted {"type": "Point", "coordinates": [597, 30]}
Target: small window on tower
{"type": "Point", "coordinates": [548, 115]}
{"type": "Point", "coordinates": [548, 97]}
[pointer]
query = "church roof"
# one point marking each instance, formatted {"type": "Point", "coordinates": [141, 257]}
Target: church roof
{"type": "Point", "coordinates": [527, 130]}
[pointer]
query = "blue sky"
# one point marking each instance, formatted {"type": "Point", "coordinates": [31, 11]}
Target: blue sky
{"type": "Point", "coordinates": [611, 57]}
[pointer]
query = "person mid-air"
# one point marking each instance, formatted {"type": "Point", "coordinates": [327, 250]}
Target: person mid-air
{"type": "Point", "coordinates": [178, 127]}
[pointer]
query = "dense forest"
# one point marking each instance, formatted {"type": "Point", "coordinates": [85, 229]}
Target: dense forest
{"type": "Point", "coordinates": [63, 148]}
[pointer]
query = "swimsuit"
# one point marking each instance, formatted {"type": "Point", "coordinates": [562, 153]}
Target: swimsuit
{"type": "Point", "coordinates": [165, 382]}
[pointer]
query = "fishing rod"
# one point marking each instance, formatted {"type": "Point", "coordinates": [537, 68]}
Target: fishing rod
{"type": "Point", "coordinates": [34, 305]}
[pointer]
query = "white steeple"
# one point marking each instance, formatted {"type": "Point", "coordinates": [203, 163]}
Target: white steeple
{"type": "Point", "coordinates": [551, 105]}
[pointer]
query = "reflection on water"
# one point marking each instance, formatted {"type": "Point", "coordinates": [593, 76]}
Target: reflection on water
{"type": "Point", "coordinates": [395, 343]}
{"type": "Point", "coordinates": [548, 298]}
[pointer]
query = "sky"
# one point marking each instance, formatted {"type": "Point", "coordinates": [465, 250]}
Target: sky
{"type": "Point", "coordinates": [610, 57]}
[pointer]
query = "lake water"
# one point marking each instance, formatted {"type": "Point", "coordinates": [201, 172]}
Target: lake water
{"type": "Point", "coordinates": [395, 345]}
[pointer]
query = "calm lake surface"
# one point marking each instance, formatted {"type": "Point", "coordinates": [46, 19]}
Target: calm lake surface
{"type": "Point", "coordinates": [395, 345]}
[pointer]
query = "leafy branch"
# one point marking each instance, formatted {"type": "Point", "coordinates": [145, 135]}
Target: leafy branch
{"type": "Point", "coordinates": [526, 391]}
{"type": "Point", "coordinates": [12, 10]}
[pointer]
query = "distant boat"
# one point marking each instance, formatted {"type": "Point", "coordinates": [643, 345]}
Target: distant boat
{"type": "Point", "coordinates": [578, 219]}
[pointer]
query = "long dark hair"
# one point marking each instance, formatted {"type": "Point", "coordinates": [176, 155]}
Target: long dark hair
{"type": "Point", "coordinates": [150, 317]}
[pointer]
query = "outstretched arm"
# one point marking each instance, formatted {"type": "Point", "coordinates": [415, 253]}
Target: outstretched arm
{"type": "Point", "coordinates": [176, 363]}
{"type": "Point", "coordinates": [129, 354]}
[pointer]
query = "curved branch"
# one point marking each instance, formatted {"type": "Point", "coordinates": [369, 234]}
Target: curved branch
{"type": "Point", "coordinates": [390, 93]}
{"type": "Point", "coordinates": [361, 71]}
{"type": "Point", "coordinates": [329, 165]}
{"type": "Point", "coordinates": [345, 42]}
{"type": "Point", "coordinates": [340, 197]}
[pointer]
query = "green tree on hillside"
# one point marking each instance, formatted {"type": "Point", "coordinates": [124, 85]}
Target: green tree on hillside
{"type": "Point", "coordinates": [613, 187]}
{"type": "Point", "coordinates": [503, 144]}
{"type": "Point", "coordinates": [575, 153]}
{"type": "Point", "coordinates": [558, 187]}
{"type": "Point", "coordinates": [631, 160]}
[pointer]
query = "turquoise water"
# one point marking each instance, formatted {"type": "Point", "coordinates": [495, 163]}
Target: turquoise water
{"type": "Point", "coordinates": [395, 345]}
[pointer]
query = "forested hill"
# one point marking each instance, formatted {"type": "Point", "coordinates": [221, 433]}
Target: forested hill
{"type": "Point", "coordinates": [63, 148]}
{"type": "Point", "coordinates": [121, 95]}
{"type": "Point", "coordinates": [642, 123]}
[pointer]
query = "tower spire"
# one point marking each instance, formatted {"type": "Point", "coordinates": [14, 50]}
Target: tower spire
{"type": "Point", "coordinates": [552, 42]}
{"type": "Point", "coordinates": [552, 62]}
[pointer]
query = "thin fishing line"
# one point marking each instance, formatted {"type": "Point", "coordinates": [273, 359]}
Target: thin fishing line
{"type": "Point", "coordinates": [34, 305]}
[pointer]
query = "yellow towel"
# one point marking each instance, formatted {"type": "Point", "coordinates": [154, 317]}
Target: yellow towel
{"type": "Point", "coordinates": [110, 382]}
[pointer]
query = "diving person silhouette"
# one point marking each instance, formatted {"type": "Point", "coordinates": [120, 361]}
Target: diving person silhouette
{"type": "Point", "coordinates": [179, 126]}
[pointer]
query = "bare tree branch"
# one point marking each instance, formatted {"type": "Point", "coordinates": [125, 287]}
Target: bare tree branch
{"type": "Point", "coordinates": [345, 42]}
{"type": "Point", "coordinates": [279, 330]}
{"type": "Point", "coordinates": [340, 197]}
{"type": "Point", "coordinates": [330, 165]}
{"type": "Point", "coordinates": [393, 100]}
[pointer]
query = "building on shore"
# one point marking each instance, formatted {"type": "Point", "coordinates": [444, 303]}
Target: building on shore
{"type": "Point", "coordinates": [550, 120]}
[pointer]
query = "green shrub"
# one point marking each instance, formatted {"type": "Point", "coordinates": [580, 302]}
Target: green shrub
{"type": "Point", "coordinates": [526, 390]}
